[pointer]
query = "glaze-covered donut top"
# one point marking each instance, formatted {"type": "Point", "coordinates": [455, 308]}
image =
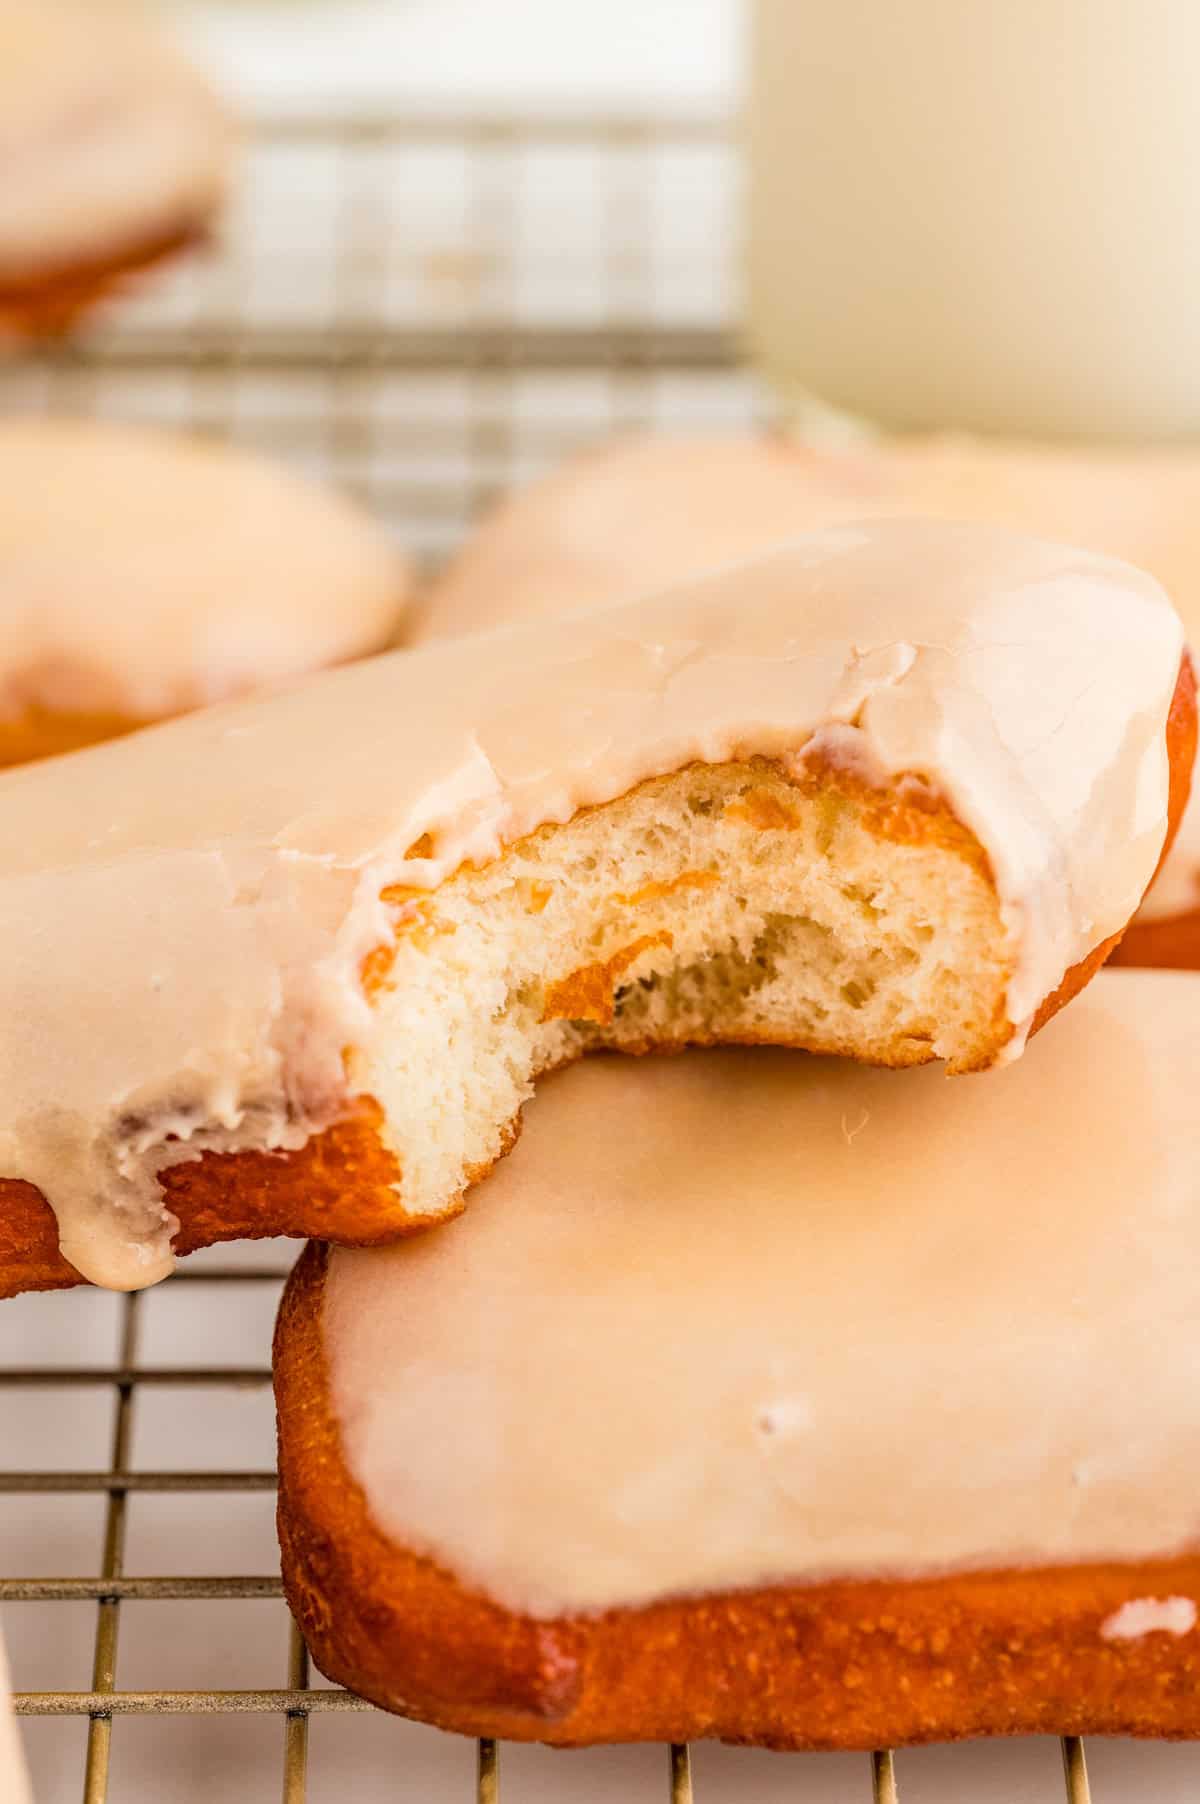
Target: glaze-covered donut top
{"type": "Point", "coordinates": [185, 913]}
{"type": "Point", "coordinates": [144, 572]}
{"type": "Point", "coordinates": [746, 1318]}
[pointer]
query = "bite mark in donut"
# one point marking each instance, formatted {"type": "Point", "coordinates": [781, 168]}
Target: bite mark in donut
{"type": "Point", "coordinates": [742, 819]}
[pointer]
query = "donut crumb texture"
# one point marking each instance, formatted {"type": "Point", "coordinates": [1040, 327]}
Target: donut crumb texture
{"type": "Point", "coordinates": [732, 903]}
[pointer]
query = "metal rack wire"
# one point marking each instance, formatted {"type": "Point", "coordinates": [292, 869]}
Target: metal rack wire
{"type": "Point", "coordinates": [292, 1701]}
{"type": "Point", "coordinates": [427, 309]}
{"type": "Point", "coordinates": [424, 352]}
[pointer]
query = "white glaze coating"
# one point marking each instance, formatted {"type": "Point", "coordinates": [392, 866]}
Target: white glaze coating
{"type": "Point", "coordinates": [144, 572]}
{"type": "Point", "coordinates": [1150, 1616]}
{"type": "Point", "coordinates": [646, 513]}
{"type": "Point", "coordinates": [185, 913]}
{"type": "Point", "coordinates": [107, 137]}
{"type": "Point", "coordinates": [752, 1317]}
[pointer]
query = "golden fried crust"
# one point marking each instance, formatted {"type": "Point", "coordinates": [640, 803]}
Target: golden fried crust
{"type": "Point", "coordinates": [48, 304]}
{"type": "Point", "coordinates": [342, 1185]}
{"type": "Point", "coordinates": [850, 1664]}
{"type": "Point", "coordinates": [1169, 944]}
{"type": "Point", "coordinates": [42, 733]}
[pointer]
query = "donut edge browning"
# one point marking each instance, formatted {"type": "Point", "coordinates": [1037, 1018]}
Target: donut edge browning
{"type": "Point", "coordinates": [1171, 943]}
{"type": "Point", "coordinates": [48, 303]}
{"type": "Point", "coordinates": [850, 1664]}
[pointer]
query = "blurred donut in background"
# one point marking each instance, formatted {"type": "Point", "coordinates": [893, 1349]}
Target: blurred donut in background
{"type": "Point", "coordinates": [642, 514]}
{"type": "Point", "coordinates": [144, 573]}
{"type": "Point", "coordinates": [114, 152]}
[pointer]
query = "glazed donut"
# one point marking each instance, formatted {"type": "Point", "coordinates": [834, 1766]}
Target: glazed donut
{"type": "Point", "coordinates": [293, 966]}
{"type": "Point", "coordinates": [114, 153]}
{"type": "Point", "coordinates": [779, 1400]}
{"type": "Point", "coordinates": [143, 573]}
{"type": "Point", "coordinates": [643, 514]}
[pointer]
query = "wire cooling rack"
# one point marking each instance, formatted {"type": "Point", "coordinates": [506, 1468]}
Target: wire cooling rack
{"type": "Point", "coordinates": [425, 310]}
{"type": "Point", "coordinates": [104, 1703]}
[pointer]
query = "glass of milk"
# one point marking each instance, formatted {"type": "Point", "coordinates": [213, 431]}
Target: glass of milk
{"type": "Point", "coordinates": [979, 214]}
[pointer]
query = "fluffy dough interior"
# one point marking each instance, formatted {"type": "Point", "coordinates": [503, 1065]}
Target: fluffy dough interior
{"type": "Point", "coordinates": [723, 903]}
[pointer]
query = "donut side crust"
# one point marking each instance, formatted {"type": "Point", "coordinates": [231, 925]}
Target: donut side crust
{"type": "Point", "coordinates": [38, 733]}
{"type": "Point", "coordinates": [840, 1665]}
{"type": "Point", "coordinates": [1169, 944]}
{"type": "Point", "coordinates": [46, 303]}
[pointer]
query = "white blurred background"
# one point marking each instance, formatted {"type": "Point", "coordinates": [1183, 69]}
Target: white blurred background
{"type": "Point", "coordinates": [565, 53]}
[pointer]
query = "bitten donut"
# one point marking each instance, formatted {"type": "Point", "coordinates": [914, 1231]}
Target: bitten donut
{"type": "Point", "coordinates": [293, 966]}
{"type": "Point", "coordinates": [114, 153]}
{"type": "Point", "coordinates": [143, 573]}
{"type": "Point", "coordinates": [780, 1400]}
{"type": "Point", "coordinates": [646, 513]}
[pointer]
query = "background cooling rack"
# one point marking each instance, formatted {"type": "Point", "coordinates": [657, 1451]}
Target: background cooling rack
{"type": "Point", "coordinates": [431, 308]}
{"type": "Point", "coordinates": [427, 309]}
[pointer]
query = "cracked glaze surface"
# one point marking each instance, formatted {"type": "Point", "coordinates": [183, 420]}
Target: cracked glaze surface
{"type": "Point", "coordinates": [185, 913]}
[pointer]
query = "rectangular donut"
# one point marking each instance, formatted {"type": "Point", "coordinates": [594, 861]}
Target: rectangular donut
{"type": "Point", "coordinates": [778, 1399]}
